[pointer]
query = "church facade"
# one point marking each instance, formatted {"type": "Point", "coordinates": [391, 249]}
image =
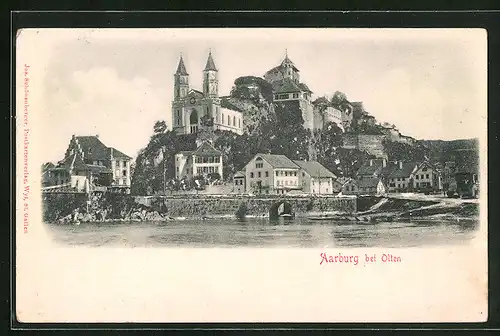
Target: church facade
{"type": "Point", "coordinates": [194, 110]}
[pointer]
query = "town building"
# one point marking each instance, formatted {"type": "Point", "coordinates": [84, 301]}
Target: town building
{"type": "Point", "coordinates": [350, 187]}
{"type": "Point", "coordinates": [203, 161]}
{"type": "Point", "coordinates": [89, 164]}
{"type": "Point", "coordinates": [315, 178]}
{"type": "Point", "coordinates": [461, 176]}
{"type": "Point", "coordinates": [193, 110]}
{"type": "Point", "coordinates": [425, 177]}
{"type": "Point", "coordinates": [371, 186]}
{"type": "Point", "coordinates": [239, 182]}
{"type": "Point", "coordinates": [372, 168]}
{"type": "Point", "coordinates": [324, 112]}
{"type": "Point", "coordinates": [399, 176]}
{"type": "Point", "coordinates": [277, 174]}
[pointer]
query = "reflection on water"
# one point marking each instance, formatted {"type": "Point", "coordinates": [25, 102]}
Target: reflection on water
{"type": "Point", "coordinates": [299, 232]}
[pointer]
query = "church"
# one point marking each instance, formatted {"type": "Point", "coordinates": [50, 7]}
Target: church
{"type": "Point", "coordinates": [194, 110]}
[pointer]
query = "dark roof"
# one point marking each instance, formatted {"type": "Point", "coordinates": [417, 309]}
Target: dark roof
{"type": "Point", "coordinates": [225, 103]}
{"type": "Point", "coordinates": [278, 161]}
{"type": "Point", "coordinates": [210, 63]}
{"type": "Point", "coordinates": [304, 87]}
{"type": "Point", "coordinates": [286, 61]}
{"type": "Point", "coordinates": [314, 169]}
{"type": "Point", "coordinates": [93, 148]}
{"type": "Point", "coordinates": [181, 68]}
{"type": "Point", "coordinates": [117, 154]}
{"type": "Point", "coordinates": [368, 183]}
{"type": "Point", "coordinates": [206, 149]}
{"type": "Point", "coordinates": [73, 162]}
{"type": "Point", "coordinates": [286, 86]}
{"type": "Point", "coordinates": [366, 169]}
{"type": "Point", "coordinates": [392, 169]}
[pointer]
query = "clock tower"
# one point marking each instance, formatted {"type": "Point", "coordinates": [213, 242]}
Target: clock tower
{"type": "Point", "coordinates": [210, 78]}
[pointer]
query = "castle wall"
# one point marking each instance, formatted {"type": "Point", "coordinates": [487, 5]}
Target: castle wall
{"type": "Point", "coordinates": [372, 144]}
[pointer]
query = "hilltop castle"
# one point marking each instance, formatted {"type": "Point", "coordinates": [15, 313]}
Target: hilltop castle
{"type": "Point", "coordinates": [193, 110]}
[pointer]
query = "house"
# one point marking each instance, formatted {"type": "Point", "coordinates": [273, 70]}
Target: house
{"type": "Point", "coordinates": [88, 163]}
{"type": "Point", "coordinates": [203, 161]}
{"type": "Point", "coordinates": [350, 187]}
{"type": "Point", "coordinates": [398, 176]}
{"type": "Point", "coordinates": [371, 169]}
{"type": "Point", "coordinates": [239, 182]}
{"type": "Point", "coordinates": [371, 186]}
{"type": "Point", "coordinates": [426, 177]}
{"type": "Point", "coordinates": [315, 178]}
{"type": "Point", "coordinates": [271, 173]}
{"type": "Point", "coordinates": [466, 172]}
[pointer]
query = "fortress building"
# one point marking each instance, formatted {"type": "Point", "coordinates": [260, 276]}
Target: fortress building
{"type": "Point", "coordinates": [193, 110]}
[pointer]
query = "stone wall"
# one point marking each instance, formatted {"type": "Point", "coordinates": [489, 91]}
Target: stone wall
{"type": "Point", "coordinates": [372, 144]}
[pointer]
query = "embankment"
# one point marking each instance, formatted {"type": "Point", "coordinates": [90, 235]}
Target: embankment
{"type": "Point", "coordinates": [102, 207]}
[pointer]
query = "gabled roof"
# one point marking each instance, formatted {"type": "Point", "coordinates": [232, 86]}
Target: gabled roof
{"type": "Point", "coordinates": [314, 169]}
{"type": "Point", "coordinates": [181, 68]}
{"type": "Point", "coordinates": [195, 93]}
{"type": "Point", "coordinates": [92, 148]}
{"type": "Point", "coordinates": [304, 87]}
{"type": "Point", "coordinates": [286, 86]}
{"type": "Point", "coordinates": [206, 149]}
{"type": "Point", "coordinates": [117, 154]}
{"type": "Point", "coordinates": [98, 169]}
{"type": "Point", "coordinates": [239, 174]}
{"type": "Point", "coordinates": [393, 171]}
{"type": "Point", "coordinates": [375, 168]}
{"type": "Point", "coordinates": [368, 183]}
{"type": "Point", "coordinates": [73, 162]}
{"type": "Point", "coordinates": [210, 63]}
{"type": "Point", "coordinates": [349, 180]}
{"type": "Point", "coordinates": [278, 161]}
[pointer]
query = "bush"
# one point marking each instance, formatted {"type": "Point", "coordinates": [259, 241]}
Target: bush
{"type": "Point", "coordinates": [242, 211]}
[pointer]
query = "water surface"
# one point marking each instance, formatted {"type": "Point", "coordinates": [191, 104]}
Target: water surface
{"type": "Point", "coordinates": [299, 232]}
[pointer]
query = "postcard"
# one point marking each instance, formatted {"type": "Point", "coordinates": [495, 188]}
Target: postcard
{"type": "Point", "coordinates": [251, 175]}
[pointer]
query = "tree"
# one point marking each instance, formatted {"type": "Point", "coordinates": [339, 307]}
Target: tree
{"type": "Point", "coordinates": [160, 127]}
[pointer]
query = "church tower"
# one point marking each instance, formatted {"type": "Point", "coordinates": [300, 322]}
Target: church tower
{"type": "Point", "coordinates": [210, 78]}
{"type": "Point", "coordinates": [181, 81]}
{"type": "Point", "coordinates": [290, 71]}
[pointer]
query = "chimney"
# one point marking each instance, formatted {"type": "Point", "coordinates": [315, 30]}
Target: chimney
{"type": "Point", "coordinates": [400, 164]}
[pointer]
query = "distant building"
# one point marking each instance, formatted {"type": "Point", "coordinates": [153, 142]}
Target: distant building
{"type": "Point", "coordinates": [350, 187]}
{"type": "Point", "coordinates": [88, 163]}
{"type": "Point", "coordinates": [239, 182]}
{"type": "Point", "coordinates": [203, 161]}
{"type": "Point", "coordinates": [324, 112]}
{"type": "Point", "coordinates": [372, 168]}
{"type": "Point", "coordinates": [426, 177]}
{"type": "Point", "coordinates": [277, 174]}
{"type": "Point", "coordinates": [399, 176]}
{"type": "Point", "coordinates": [463, 173]}
{"type": "Point", "coordinates": [371, 186]}
{"type": "Point", "coordinates": [315, 178]}
{"type": "Point", "coordinates": [193, 110]}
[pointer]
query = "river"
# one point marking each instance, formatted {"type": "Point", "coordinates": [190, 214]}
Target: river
{"type": "Point", "coordinates": [299, 232]}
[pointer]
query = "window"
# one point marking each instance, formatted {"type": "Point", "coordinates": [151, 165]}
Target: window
{"type": "Point", "coordinates": [267, 174]}
{"type": "Point", "coordinates": [422, 176]}
{"type": "Point", "coordinates": [303, 174]}
{"type": "Point", "coordinates": [295, 95]}
{"type": "Point", "coordinates": [284, 96]}
{"type": "Point", "coordinates": [286, 173]}
{"type": "Point", "coordinates": [259, 165]}
{"type": "Point", "coordinates": [229, 120]}
{"type": "Point", "coordinates": [234, 121]}
{"type": "Point", "coordinates": [124, 172]}
{"type": "Point", "coordinates": [416, 177]}
{"type": "Point", "coordinates": [294, 173]}
{"type": "Point", "coordinates": [326, 190]}
{"type": "Point", "coordinates": [194, 129]}
{"type": "Point", "coordinates": [222, 121]}
{"type": "Point", "coordinates": [177, 168]}
{"type": "Point", "coordinates": [251, 175]}
{"type": "Point", "coordinates": [424, 169]}
{"type": "Point", "coordinates": [426, 176]}
{"type": "Point", "coordinates": [282, 173]}
{"type": "Point", "coordinates": [259, 174]}
{"type": "Point", "coordinates": [276, 96]}
{"type": "Point", "coordinates": [239, 123]}
{"type": "Point", "coordinates": [277, 173]}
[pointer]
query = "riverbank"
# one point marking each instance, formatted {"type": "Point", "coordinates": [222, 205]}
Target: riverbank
{"type": "Point", "coordinates": [125, 208]}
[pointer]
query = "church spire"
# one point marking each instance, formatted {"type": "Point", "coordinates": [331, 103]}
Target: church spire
{"type": "Point", "coordinates": [181, 68]}
{"type": "Point", "coordinates": [210, 63]}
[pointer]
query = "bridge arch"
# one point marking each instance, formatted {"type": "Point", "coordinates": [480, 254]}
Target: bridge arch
{"type": "Point", "coordinates": [279, 208]}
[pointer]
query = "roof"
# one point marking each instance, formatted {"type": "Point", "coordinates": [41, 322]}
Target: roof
{"type": "Point", "coordinates": [73, 162]}
{"type": "Point", "coordinates": [99, 169]}
{"type": "Point", "coordinates": [278, 161]}
{"type": "Point", "coordinates": [47, 165]}
{"type": "Point", "coordinates": [366, 169]}
{"type": "Point", "coordinates": [117, 154]}
{"type": "Point", "coordinates": [286, 62]}
{"type": "Point", "coordinates": [368, 182]}
{"type": "Point", "coordinates": [210, 63]}
{"type": "Point", "coordinates": [349, 180]}
{"type": "Point", "coordinates": [181, 68]}
{"type": "Point", "coordinates": [92, 148]}
{"type": "Point", "coordinates": [286, 86]}
{"type": "Point", "coordinates": [393, 171]}
{"type": "Point", "coordinates": [239, 174]}
{"type": "Point", "coordinates": [304, 87]}
{"type": "Point", "coordinates": [206, 149]}
{"type": "Point", "coordinates": [314, 169]}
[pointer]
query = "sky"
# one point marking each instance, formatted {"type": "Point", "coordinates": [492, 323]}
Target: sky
{"type": "Point", "coordinates": [430, 83]}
